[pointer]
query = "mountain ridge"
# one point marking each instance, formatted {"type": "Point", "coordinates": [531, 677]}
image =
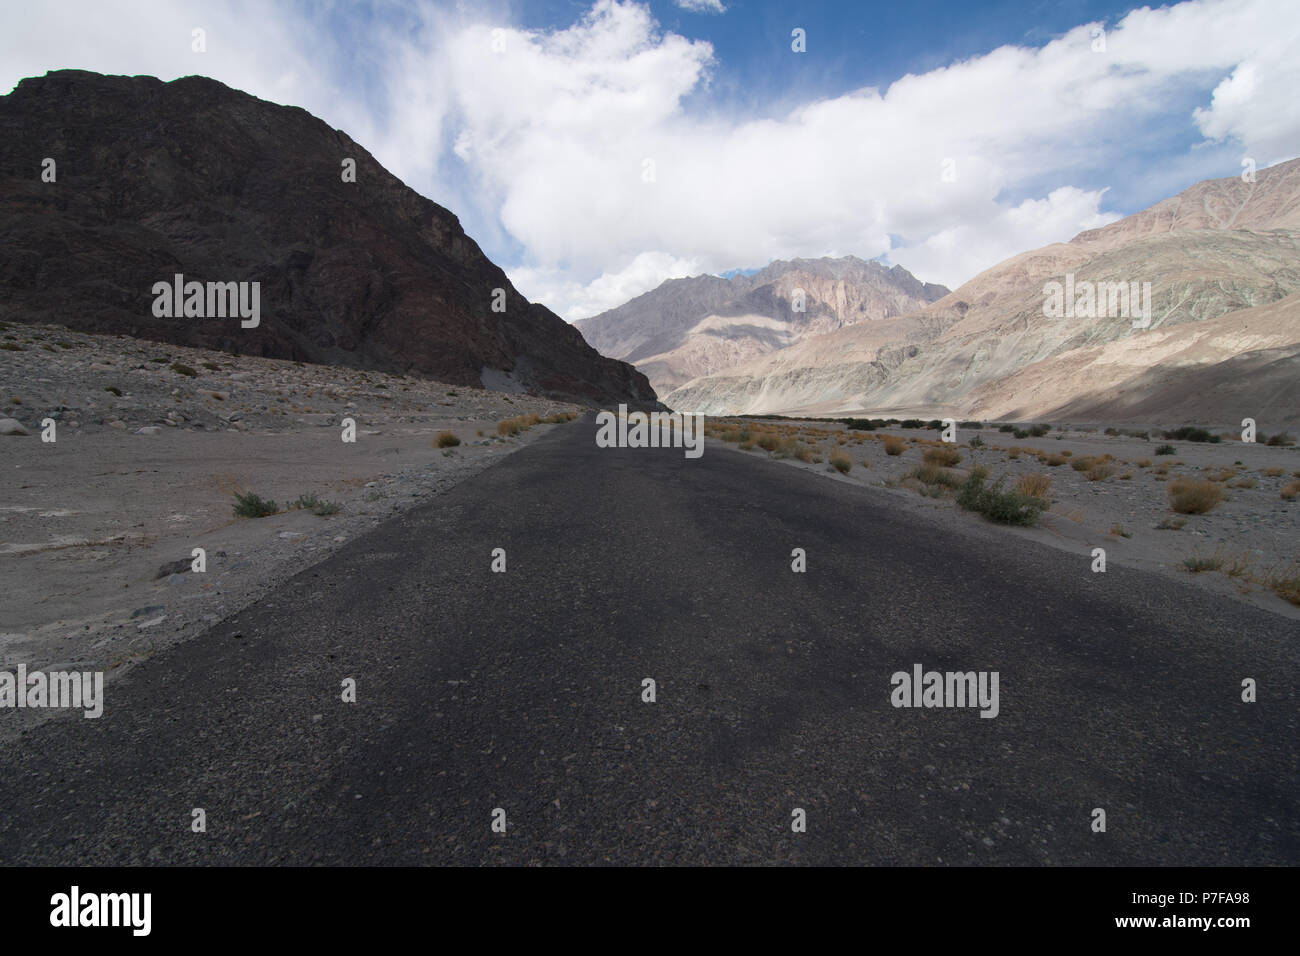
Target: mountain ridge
{"type": "Point", "coordinates": [702, 323]}
{"type": "Point", "coordinates": [155, 178]}
{"type": "Point", "coordinates": [1217, 248]}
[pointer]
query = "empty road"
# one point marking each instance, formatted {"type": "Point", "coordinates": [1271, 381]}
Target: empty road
{"type": "Point", "coordinates": [523, 691]}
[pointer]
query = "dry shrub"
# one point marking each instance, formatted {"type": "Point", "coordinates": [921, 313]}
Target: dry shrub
{"type": "Point", "coordinates": [1036, 486]}
{"type": "Point", "coordinates": [894, 446]}
{"type": "Point", "coordinates": [943, 455]}
{"type": "Point", "coordinates": [1190, 496]}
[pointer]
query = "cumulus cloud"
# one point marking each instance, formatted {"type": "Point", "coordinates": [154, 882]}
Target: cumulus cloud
{"type": "Point", "coordinates": [577, 157]}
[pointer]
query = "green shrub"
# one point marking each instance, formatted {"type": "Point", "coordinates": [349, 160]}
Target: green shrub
{"type": "Point", "coordinates": [180, 369]}
{"type": "Point", "coordinates": [250, 505]}
{"type": "Point", "coordinates": [997, 504]}
{"type": "Point", "coordinates": [1189, 433]}
{"type": "Point", "coordinates": [1166, 450]}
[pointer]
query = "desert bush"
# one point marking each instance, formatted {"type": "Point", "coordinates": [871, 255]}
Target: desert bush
{"type": "Point", "coordinates": [841, 462]}
{"type": "Point", "coordinates": [250, 505]}
{"type": "Point", "coordinates": [180, 369]}
{"type": "Point", "coordinates": [1190, 496]}
{"type": "Point", "coordinates": [1274, 472]}
{"type": "Point", "coordinates": [1083, 463]}
{"type": "Point", "coordinates": [445, 440]}
{"type": "Point", "coordinates": [1144, 462]}
{"type": "Point", "coordinates": [1200, 563]}
{"type": "Point", "coordinates": [1281, 439]}
{"type": "Point", "coordinates": [941, 456]}
{"type": "Point", "coordinates": [996, 504]}
{"type": "Point", "coordinates": [784, 446]}
{"type": "Point", "coordinates": [1020, 432]}
{"type": "Point", "coordinates": [1054, 461]}
{"type": "Point", "coordinates": [1099, 472]}
{"type": "Point", "coordinates": [1007, 428]}
{"type": "Point", "coordinates": [929, 473]}
{"type": "Point", "coordinates": [1166, 450]}
{"type": "Point", "coordinates": [1291, 490]}
{"type": "Point", "coordinates": [894, 446]}
{"type": "Point", "coordinates": [1190, 433]}
{"type": "Point", "coordinates": [1038, 431]}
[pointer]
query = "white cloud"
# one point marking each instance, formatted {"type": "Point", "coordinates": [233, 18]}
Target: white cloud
{"type": "Point", "coordinates": [646, 271]}
{"type": "Point", "coordinates": [959, 252]}
{"type": "Point", "coordinates": [701, 6]}
{"type": "Point", "coordinates": [539, 140]}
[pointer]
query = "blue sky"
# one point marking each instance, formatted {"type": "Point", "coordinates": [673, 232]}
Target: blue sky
{"type": "Point", "coordinates": [595, 148]}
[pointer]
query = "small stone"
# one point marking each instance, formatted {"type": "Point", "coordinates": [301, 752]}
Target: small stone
{"type": "Point", "coordinates": [11, 426]}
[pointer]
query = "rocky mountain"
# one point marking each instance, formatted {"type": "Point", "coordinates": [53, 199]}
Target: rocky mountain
{"type": "Point", "coordinates": [686, 328]}
{"type": "Point", "coordinates": [1222, 260]}
{"type": "Point", "coordinates": [153, 179]}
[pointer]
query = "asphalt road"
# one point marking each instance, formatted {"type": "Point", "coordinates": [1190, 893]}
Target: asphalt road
{"type": "Point", "coordinates": [523, 691]}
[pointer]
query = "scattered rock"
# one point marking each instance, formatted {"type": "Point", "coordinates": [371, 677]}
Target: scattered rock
{"type": "Point", "coordinates": [173, 567]}
{"type": "Point", "coordinates": [11, 426]}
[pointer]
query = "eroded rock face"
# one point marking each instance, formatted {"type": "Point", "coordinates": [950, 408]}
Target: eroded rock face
{"type": "Point", "coordinates": [192, 177]}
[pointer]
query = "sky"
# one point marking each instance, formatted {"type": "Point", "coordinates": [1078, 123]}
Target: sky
{"type": "Point", "coordinates": [595, 148]}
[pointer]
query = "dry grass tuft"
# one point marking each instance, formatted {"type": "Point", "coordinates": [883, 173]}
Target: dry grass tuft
{"type": "Point", "coordinates": [1036, 486]}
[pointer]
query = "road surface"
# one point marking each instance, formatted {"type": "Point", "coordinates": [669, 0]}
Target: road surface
{"type": "Point", "coordinates": [523, 691]}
